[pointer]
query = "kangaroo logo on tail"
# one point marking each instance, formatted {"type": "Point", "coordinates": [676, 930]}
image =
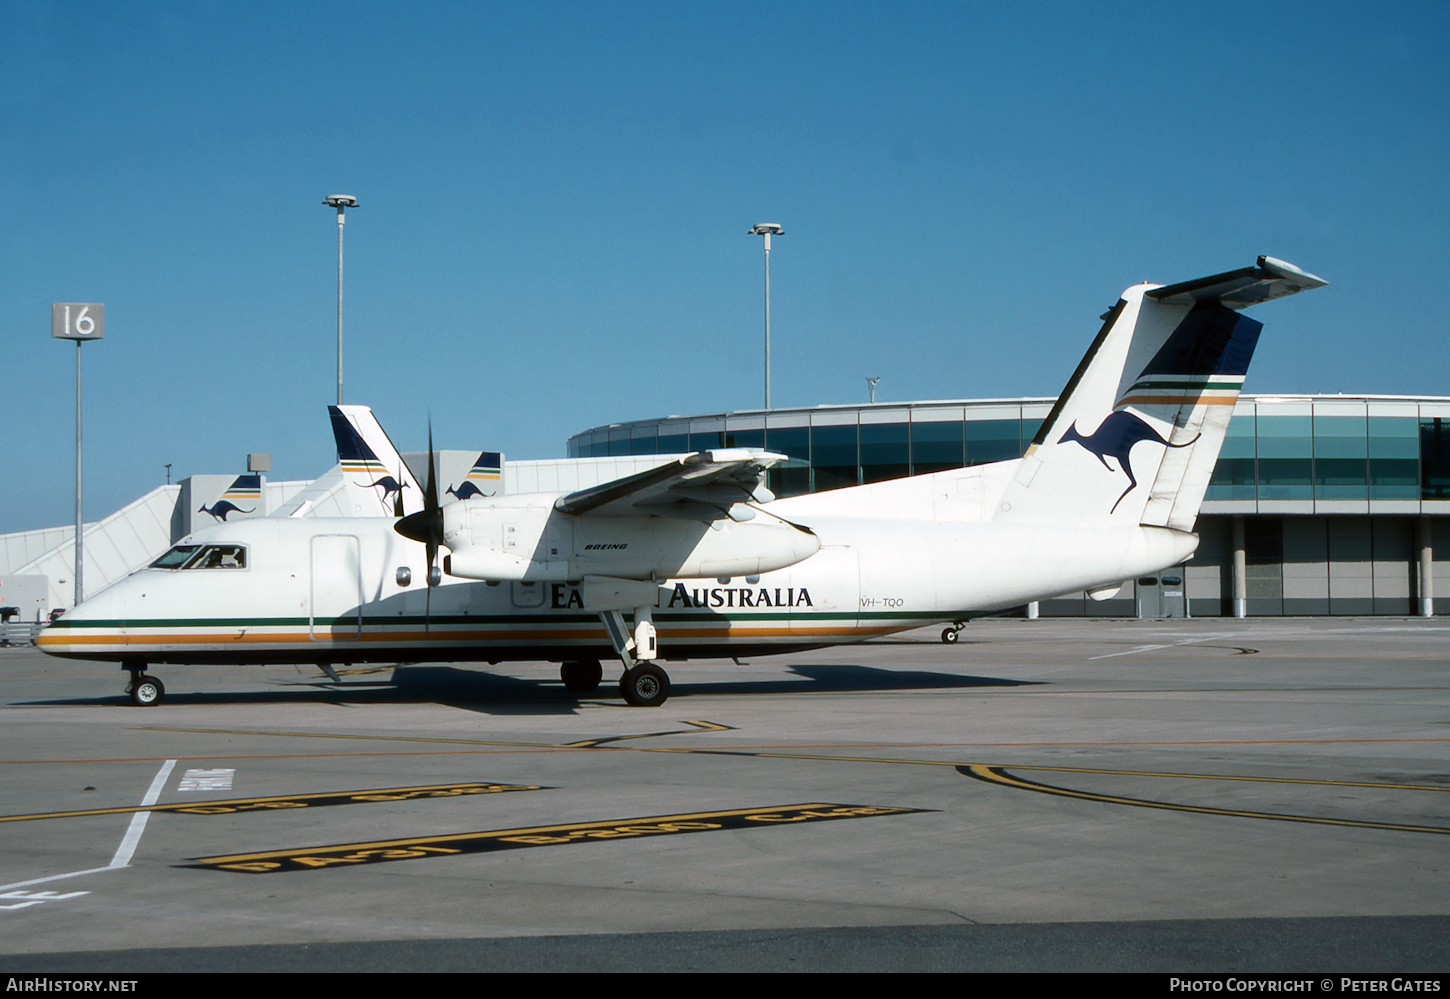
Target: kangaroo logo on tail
{"type": "Point", "coordinates": [221, 508]}
{"type": "Point", "coordinates": [1115, 437]}
{"type": "Point", "coordinates": [388, 485]}
{"type": "Point", "coordinates": [487, 469]}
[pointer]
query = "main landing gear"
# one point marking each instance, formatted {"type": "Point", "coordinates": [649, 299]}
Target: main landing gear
{"type": "Point", "coordinates": [146, 691]}
{"type": "Point", "coordinates": [643, 685]}
{"type": "Point", "coordinates": [583, 676]}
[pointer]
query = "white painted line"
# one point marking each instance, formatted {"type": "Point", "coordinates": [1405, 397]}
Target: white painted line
{"type": "Point", "coordinates": [30, 898]}
{"type": "Point", "coordinates": [53, 877]}
{"type": "Point", "coordinates": [1150, 648]}
{"type": "Point", "coordinates": [207, 780]}
{"type": "Point", "coordinates": [1141, 648]}
{"type": "Point", "coordinates": [129, 842]}
{"type": "Point", "coordinates": [132, 839]}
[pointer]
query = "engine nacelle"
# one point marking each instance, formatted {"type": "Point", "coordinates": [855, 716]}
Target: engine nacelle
{"type": "Point", "coordinates": [525, 538]}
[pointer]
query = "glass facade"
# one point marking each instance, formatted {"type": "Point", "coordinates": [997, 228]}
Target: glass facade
{"type": "Point", "coordinates": [1304, 450]}
{"type": "Point", "coordinates": [1435, 458]}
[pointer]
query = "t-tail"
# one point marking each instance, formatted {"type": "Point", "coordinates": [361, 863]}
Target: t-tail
{"type": "Point", "coordinates": [1134, 437]}
{"type": "Point", "coordinates": [371, 462]}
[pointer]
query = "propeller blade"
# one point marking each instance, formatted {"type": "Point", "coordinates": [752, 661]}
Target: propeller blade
{"type": "Point", "coordinates": [435, 523]}
{"type": "Point", "coordinates": [425, 527]}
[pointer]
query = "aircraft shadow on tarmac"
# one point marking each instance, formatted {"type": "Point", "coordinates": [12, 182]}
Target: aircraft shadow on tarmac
{"type": "Point", "coordinates": [494, 693]}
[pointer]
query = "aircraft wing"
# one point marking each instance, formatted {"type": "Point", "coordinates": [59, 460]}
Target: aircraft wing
{"type": "Point", "coordinates": [708, 485]}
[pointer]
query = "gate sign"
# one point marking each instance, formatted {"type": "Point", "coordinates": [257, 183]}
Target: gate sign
{"type": "Point", "coordinates": [77, 320]}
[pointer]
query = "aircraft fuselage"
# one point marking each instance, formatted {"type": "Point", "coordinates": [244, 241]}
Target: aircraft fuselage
{"type": "Point", "coordinates": [352, 590]}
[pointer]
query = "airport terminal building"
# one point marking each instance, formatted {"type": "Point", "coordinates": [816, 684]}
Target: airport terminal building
{"type": "Point", "coordinates": [1325, 505]}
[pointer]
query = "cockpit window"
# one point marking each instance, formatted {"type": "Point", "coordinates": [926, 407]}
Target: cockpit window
{"type": "Point", "coordinates": [176, 558]}
{"type": "Point", "coordinates": [221, 557]}
{"type": "Point", "coordinates": [203, 557]}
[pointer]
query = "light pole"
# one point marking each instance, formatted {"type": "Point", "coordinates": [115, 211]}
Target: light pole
{"type": "Point", "coordinates": [342, 202]}
{"type": "Point", "coordinates": [78, 321]}
{"type": "Point", "coordinates": [871, 382]}
{"type": "Point", "coordinates": [767, 229]}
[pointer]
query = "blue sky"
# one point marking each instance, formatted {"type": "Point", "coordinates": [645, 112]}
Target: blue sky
{"type": "Point", "coordinates": [555, 199]}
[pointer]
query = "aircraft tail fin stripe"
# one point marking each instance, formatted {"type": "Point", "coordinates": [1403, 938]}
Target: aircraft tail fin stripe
{"type": "Point", "coordinates": [350, 445]}
{"type": "Point", "coordinates": [244, 487]}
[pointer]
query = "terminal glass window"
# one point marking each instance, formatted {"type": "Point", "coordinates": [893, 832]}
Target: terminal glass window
{"type": "Point", "coordinates": [936, 447]}
{"type": "Point", "coordinates": [1341, 468]}
{"type": "Point", "coordinates": [745, 438]}
{"type": "Point", "coordinates": [1286, 458]}
{"type": "Point", "coordinates": [1394, 457]}
{"type": "Point", "coordinates": [673, 443]}
{"type": "Point", "coordinates": [643, 442]}
{"type": "Point", "coordinates": [791, 477]}
{"type": "Point", "coordinates": [1435, 458]}
{"type": "Point", "coordinates": [1234, 475]}
{"type": "Point", "coordinates": [885, 451]}
{"type": "Point", "coordinates": [993, 440]}
{"type": "Point", "coordinates": [707, 441]}
{"type": "Point", "coordinates": [834, 457]}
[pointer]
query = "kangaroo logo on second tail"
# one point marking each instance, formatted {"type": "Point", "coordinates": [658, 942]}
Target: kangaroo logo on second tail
{"type": "Point", "coordinates": [1115, 437]}
{"type": "Point", "coordinates": [221, 508]}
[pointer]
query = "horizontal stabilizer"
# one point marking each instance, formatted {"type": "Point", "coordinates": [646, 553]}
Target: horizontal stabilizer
{"type": "Point", "coordinates": [1241, 288]}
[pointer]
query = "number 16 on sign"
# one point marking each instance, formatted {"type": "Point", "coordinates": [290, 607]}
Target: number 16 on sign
{"type": "Point", "coordinates": [77, 320]}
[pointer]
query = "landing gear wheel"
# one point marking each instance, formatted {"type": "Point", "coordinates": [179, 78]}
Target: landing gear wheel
{"type": "Point", "coordinates": [645, 686]}
{"type": "Point", "coordinates": [581, 677]}
{"type": "Point", "coordinates": [146, 691]}
{"type": "Point", "coordinates": [949, 636]}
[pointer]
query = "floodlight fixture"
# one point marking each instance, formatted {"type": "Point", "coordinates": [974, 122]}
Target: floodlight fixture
{"type": "Point", "coordinates": [342, 202]}
{"type": "Point", "coordinates": [767, 229]}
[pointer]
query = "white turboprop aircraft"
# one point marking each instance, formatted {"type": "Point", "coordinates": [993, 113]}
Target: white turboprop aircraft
{"type": "Point", "coordinates": [698, 552]}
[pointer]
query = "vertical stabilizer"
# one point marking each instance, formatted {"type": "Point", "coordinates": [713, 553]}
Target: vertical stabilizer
{"type": "Point", "coordinates": [1134, 437]}
{"type": "Point", "coordinates": [484, 479]}
{"type": "Point", "coordinates": [370, 462]}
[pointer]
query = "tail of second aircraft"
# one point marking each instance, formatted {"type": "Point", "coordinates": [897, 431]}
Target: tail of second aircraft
{"type": "Point", "coordinates": [371, 462]}
{"type": "Point", "coordinates": [1163, 373]}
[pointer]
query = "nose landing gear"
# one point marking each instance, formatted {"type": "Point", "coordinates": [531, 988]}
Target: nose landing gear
{"type": "Point", "coordinates": [146, 691]}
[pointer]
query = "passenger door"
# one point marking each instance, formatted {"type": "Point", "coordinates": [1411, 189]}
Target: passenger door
{"type": "Point", "coordinates": [335, 607]}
